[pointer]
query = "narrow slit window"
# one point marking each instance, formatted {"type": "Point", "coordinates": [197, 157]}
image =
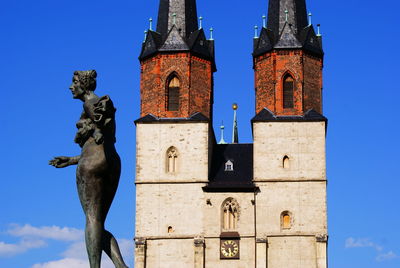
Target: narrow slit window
{"type": "Point", "coordinates": [173, 94]}
{"type": "Point", "coordinates": [288, 90]}
{"type": "Point", "coordinates": [286, 220]}
{"type": "Point", "coordinates": [286, 162]}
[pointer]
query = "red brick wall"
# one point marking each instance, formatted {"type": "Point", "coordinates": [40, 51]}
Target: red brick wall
{"type": "Point", "coordinates": [201, 92]}
{"type": "Point", "coordinates": [270, 70]}
{"type": "Point", "coordinates": [195, 77]}
{"type": "Point", "coordinates": [312, 83]}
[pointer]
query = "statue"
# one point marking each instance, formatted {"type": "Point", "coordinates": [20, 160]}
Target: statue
{"type": "Point", "coordinates": [99, 166]}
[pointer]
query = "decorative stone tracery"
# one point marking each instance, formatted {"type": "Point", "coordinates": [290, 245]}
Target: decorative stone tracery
{"type": "Point", "coordinates": [231, 211]}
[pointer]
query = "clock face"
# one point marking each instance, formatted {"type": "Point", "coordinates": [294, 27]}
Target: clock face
{"type": "Point", "coordinates": [229, 249]}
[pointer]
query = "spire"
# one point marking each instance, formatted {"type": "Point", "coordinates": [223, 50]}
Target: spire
{"type": "Point", "coordinates": [296, 15]}
{"type": "Point", "coordinates": [289, 26]}
{"type": "Point", "coordinates": [178, 31]}
{"type": "Point", "coordinates": [181, 13]}
{"type": "Point", "coordinates": [222, 140]}
{"type": "Point", "coordinates": [235, 134]}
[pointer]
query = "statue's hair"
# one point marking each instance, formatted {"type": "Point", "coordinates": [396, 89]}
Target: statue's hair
{"type": "Point", "coordinates": [87, 79]}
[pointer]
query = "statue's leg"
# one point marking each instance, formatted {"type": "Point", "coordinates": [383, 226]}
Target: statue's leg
{"type": "Point", "coordinates": [93, 236]}
{"type": "Point", "coordinates": [110, 246]}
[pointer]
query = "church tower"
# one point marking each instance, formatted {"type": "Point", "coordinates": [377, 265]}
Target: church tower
{"type": "Point", "coordinates": [177, 64]}
{"type": "Point", "coordinates": [289, 140]}
{"type": "Point", "coordinates": [205, 204]}
{"type": "Point", "coordinates": [174, 139]}
{"type": "Point", "coordinates": [288, 60]}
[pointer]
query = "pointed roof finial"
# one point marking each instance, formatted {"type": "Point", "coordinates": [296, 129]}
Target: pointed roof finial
{"type": "Point", "coordinates": [319, 30]}
{"type": "Point", "coordinates": [222, 140]}
{"type": "Point", "coordinates": [200, 22]}
{"type": "Point", "coordinates": [151, 24]}
{"type": "Point", "coordinates": [309, 19]}
{"type": "Point", "coordinates": [255, 32]}
{"type": "Point", "coordinates": [286, 15]}
{"type": "Point", "coordinates": [235, 134]}
{"type": "Point", "coordinates": [211, 33]}
{"type": "Point", "coordinates": [145, 36]}
{"type": "Point", "coordinates": [264, 18]}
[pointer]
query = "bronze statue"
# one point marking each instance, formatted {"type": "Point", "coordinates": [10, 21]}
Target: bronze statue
{"type": "Point", "coordinates": [99, 166]}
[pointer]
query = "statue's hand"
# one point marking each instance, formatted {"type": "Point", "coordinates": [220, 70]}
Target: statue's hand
{"type": "Point", "coordinates": [60, 161]}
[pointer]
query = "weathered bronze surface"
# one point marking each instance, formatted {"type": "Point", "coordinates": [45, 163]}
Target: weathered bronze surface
{"type": "Point", "coordinates": [99, 166]}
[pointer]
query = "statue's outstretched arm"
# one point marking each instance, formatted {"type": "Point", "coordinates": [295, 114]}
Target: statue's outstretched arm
{"type": "Point", "coordinates": [64, 161]}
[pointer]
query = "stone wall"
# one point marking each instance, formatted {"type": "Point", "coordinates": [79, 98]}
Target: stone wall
{"type": "Point", "coordinates": [179, 225]}
{"type": "Point", "coordinates": [306, 202]}
{"type": "Point", "coordinates": [190, 139]}
{"type": "Point", "coordinates": [302, 142]}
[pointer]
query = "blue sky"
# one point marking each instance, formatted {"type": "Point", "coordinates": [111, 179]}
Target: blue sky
{"type": "Point", "coordinates": [43, 42]}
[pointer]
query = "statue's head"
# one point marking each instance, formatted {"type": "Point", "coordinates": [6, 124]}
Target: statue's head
{"type": "Point", "coordinates": [82, 83]}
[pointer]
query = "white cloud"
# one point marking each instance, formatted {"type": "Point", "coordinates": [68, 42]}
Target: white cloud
{"type": "Point", "coordinates": [64, 263]}
{"type": "Point", "coordinates": [46, 232]}
{"type": "Point", "coordinates": [387, 256]}
{"type": "Point", "coordinates": [362, 243]}
{"type": "Point", "coordinates": [72, 263]}
{"type": "Point", "coordinates": [9, 250]}
{"type": "Point", "coordinates": [367, 243]}
{"type": "Point", "coordinates": [76, 251]}
{"type": "Point", "coordinates": [76, 257]}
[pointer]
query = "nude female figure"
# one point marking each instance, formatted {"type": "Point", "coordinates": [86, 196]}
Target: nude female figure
{"type": "Point", "coordinates": [98, 167]}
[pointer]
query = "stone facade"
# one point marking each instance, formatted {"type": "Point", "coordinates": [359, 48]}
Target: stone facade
{"type": "Point", "coordinates": [179, 225]}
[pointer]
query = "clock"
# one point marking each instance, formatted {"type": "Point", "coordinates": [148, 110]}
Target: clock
{"type": "Point", "coordinates": [229, 249]}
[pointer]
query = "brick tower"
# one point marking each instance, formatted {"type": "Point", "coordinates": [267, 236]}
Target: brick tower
{"type": "Point", "coordinates": [288, 60]}
{"type": "Point", "coordinates": [177, 64]}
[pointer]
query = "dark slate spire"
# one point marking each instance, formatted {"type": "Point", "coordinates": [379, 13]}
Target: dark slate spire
{"type": "Point", "coordinates": [182, 13]}
{"type": "Point", "coordinates": [287, 28]}
{"type": "Point", "coordinates": [296, 15]}
{"type": "Point", "coordinates": [178, 30]}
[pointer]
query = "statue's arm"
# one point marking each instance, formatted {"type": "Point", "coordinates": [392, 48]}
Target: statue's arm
{"type": "Point", "coordinates": [64, 161]}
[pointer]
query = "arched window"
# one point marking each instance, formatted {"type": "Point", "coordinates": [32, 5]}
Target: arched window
{"type": "Point", "coordinates": [173, 94]}
{"type": "Point", "coordinates": [172, 160]}
{"type": "Point", "coordinates": [286, 162]}
{"type": "Point", "coordinates": [288, 89]}
{"type": "Point", "coordinates": [286, 220]}
{"type": "Point", "coordinates": [230, 209]}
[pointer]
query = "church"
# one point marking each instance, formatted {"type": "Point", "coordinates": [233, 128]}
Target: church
{"type": "Point", "coordinates": [200, 203]}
